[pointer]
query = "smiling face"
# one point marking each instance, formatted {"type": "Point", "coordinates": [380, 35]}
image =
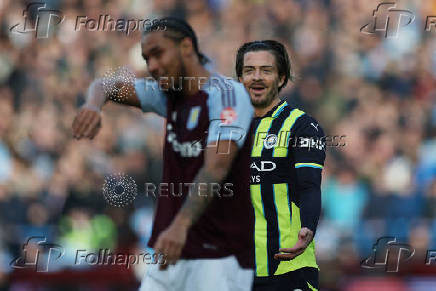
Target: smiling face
{"type": "Point", "coordinates": [260, 77]}
{"type": "Point", "coordinates": [163, 56]}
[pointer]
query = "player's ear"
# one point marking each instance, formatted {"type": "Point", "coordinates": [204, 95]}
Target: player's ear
{"type": "Point", "coordinates": [282, 81]}
{"type": "Point", "coordinates": [186, 47]}
{"type": "Point", "coordinates": [240, 79]}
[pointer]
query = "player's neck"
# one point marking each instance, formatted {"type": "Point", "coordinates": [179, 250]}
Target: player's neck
{"type": "Point", "coordinates": [261, 111]}
{"type": "Point", "coordinates": [196, 76]}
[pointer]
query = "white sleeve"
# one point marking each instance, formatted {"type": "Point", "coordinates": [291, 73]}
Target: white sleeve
{"type": "Point", "coordinates": [230, 112]}
{"type": "Point", "coordinates": [152, 99]}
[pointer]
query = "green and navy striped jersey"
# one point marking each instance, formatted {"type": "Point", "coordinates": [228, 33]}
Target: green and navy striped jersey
{"type": "Point", "coordinates": [285, 141]}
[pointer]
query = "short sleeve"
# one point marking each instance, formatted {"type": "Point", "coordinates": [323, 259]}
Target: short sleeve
{"type": "Point", "coordinates": [230, 111]}
{"type": "Point", "coordinates": [152, 99]}
{"type": "Point", "coordinates": [308, 143]}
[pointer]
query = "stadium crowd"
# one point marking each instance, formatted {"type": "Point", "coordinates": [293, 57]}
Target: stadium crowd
{"type": "Point", "coordinates": [377, 93]}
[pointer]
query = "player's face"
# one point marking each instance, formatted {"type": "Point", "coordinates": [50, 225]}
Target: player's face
{"type": "Point", "coordinates": [163, 58]}
{"type": "Point", "coordinates": [260, 77]}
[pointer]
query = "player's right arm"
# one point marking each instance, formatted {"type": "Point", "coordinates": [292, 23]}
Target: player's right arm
{"type": "Point", "coordinates": [144, 94]}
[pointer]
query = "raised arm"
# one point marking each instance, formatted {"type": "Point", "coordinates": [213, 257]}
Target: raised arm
{"type": "Point", "coordinates": [122, 93]}
{"type": "Point", "coordinates": [87, 122]}
{"type": "Point", "coordinates": [141, 93]}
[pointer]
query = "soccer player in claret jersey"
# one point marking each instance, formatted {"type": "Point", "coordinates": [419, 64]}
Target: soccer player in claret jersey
{"type": "Point", "coordinates": [286, 161]}
{"type": "Point", "coordinates": [207, 238]}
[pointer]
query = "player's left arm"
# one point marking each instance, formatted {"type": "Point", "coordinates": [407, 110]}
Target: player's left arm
{"type": "Point", "coordinates": [216, 166]}
{"type": "Point", "coordinates": [308, 149]}
{"type": "Point", "coordinates": [225, 137]}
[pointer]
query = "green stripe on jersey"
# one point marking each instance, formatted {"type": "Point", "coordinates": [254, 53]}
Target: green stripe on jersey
{"type": "Point", "coordinates": [286, 128]}
{"type": "Point", "coordinates": [259, 137]}
{"type": "Point", "coordinates": [283, 213]}
{"type": "Point", "coordinates": [260, 231]}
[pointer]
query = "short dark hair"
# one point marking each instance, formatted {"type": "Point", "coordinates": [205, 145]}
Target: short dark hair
{"type": "Point", "coordinates": [177, 29]}
{"type": "Point", "coordinates": [276, 48]}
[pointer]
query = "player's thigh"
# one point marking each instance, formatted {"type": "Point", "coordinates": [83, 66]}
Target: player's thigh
{"type": "Point", "coordinates": [264, 284]}
{"type": "Point", "coordinates": [304, 279]}
{"type": "Point", "coordinates": [171, 279]}
{"type": "Point", "coordinates": [222, 274]}
{"type": "Point", "coordinates": [240, 279]}
{"type": "Point", "coordinates": [309, 278]}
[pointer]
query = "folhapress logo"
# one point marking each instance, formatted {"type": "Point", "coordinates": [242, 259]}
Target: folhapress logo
{"type": "Point", "coordinates": [38, 19]}
{"type": "Point", "coordinates": [37, 254]}
{"type": "Point", "coordinates": [388, 254]}
{"type": "Point", "coordinates": [388, 19]}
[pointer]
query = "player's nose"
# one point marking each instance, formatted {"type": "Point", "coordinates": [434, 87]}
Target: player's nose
{"type": "Point", "coordinates": [153, 68]}
{"type": "Point", "coordinates": [257, 75]}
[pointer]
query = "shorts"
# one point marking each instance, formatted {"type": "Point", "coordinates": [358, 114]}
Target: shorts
{"type": "Point", "coordinates": [304, 279]}
{"type": "Point", "coordinates": [222, 274]}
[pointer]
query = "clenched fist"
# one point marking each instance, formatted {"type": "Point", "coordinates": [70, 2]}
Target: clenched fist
{"type": "Point", "coordinates": [87, 123]}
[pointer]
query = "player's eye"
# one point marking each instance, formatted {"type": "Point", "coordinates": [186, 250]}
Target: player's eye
{"type": "Point", "coordinates": [157, 54]}
{"type": "Point", "coordinates": [248, 70]}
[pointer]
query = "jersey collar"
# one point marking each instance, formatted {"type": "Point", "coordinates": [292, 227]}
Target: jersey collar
{"type": "Point", "coordinates": [275, 111]}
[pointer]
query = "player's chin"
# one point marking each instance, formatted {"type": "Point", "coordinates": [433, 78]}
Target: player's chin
{"type": "Point", "coordinates": [258, 100]}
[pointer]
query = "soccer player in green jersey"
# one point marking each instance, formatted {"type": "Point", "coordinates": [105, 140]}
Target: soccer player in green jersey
{"type": "Point", "coordinates": [286, 162]}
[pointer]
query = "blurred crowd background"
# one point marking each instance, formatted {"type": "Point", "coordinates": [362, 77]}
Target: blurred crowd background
{"type": "Point", "coordinates": [376, 92]}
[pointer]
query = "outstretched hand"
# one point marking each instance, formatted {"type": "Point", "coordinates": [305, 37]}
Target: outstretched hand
{"type": "Point", "coordinates": [305, 236]}
{"type": "Point", "coordinates": [87, 123]}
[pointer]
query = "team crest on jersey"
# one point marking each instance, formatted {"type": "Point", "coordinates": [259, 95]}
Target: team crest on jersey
{"type": "Point", "coordinates": [270, 141]}
{"type": "Point", "coordinates": [228, 115]}
{"type": "Point", "coordinates": [193, 117]}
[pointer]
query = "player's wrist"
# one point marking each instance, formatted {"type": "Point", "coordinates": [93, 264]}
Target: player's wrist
{"type": "Point", "coordinates": [92, 107]}
{"type": "Point", "coordinates": [307, 228]}
{"type": "Point", "coordinates": [182, 221]}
